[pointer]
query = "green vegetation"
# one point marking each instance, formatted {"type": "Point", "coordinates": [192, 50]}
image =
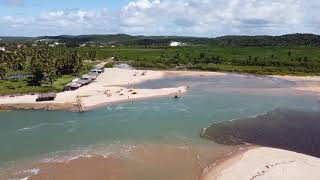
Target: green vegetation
{"type": "Point", "coordinates": [20, 86]}
{"type": "Point", "coordinates": [257, 60]}
{"type": "Point", "coordinates": [23, 86]}
{"type": "Point", "coordinates": [40, 69]}
{"type": "Point", "coordinates": [109, 65]}
{"type": "Point", "coordinates": [156, 41]}
{"type": "Point", "coordinates": [53, 67]}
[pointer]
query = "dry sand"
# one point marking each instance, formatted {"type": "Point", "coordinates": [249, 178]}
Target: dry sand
{"type": "Point", "coordinates": [266, 164]}
{"type": "Point", "coordinates": [104, 90]}
{"type": "Point", "coordinates": [304, 83]}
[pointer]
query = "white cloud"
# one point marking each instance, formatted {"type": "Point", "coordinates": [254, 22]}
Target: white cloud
{"type": "Point", "coordinates": [179, 17]}
{"type": "Point", "coordinates": [141, 4]}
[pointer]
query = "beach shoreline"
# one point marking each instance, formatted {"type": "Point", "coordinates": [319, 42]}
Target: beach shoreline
{"type": "Point", "coordinates": [115, 83]}
{"type": "Point", "coordinates": [219, 165]}
{"type": "Point", "coordinates": [113, 86]}
{"type": "Point", "coordinates": [264, 163]}
{"type": "Point", "coordinates": [41, 106]}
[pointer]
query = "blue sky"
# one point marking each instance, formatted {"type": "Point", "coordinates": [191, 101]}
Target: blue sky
{"type": "Point", "coordinates": [32, 7]}
{"type": "Point", "coordinates": [208, 18]}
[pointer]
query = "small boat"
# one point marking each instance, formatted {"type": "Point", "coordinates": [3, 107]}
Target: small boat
{"type": "Point", "coordinates": [176, 96]}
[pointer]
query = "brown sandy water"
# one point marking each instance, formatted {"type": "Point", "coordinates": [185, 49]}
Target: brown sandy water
{"type": "Point", "coordinates": [134, 162]}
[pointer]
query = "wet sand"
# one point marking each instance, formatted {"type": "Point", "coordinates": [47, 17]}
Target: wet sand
{"type": "Point", "coordinates": [212, 171]}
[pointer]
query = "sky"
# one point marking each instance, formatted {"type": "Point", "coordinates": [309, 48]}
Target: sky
{"type": "Point", "coordinates": [203, 18]}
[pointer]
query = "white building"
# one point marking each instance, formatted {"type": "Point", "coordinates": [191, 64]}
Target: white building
{"type": "Point", "coordinates": [54, 44]}
{"type": "Point", "coordinates": [175, 44]}
{"type": "Point", "coordinates": [2, 49]}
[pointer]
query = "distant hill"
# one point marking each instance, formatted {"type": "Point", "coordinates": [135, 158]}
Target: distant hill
{"type": "Point", "coordinates": [123, 39]}
{"type": "Point", "coordinates": [285, 40]}
{"type": "Point", "coordinates": [16, 39]}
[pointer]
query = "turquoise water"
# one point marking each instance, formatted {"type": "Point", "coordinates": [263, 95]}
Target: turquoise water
{"type": "Point", "coordinates": [28, 134]}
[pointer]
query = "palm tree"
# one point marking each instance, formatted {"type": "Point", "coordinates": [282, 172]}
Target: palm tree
{"type": "Point", "coordinates": [3, 72]}
{"type": "Point", "coordinates": [37, 70]}
{"type": "Point", "coordinates": [92, 55]}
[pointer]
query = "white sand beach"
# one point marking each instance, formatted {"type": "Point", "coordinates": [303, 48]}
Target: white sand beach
{"type": "Point", "coordinates": [310, 83]}
{"type": "Point", "coordinates": [104, 90]}
{"type": "Point", "coordinates": [108, 88]}
{"type": "Point", "coordinates": [266, 164]}
{"type": "Point", "coordinates": [298, 78]}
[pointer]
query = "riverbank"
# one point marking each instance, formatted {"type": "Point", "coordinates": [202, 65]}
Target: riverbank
{"type": "Point", "coordinates": [265, 163]}
{"type": "Point", "coordinates": [118, 85]}
{"type": "Point", "coordinates": [114, 85]}
{"type": "Point", "coordinates": [307, 83]}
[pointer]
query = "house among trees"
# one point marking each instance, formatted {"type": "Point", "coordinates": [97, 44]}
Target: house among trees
{"type": "Point", "coordinates": [72, 86]}
{"type": "Point", "coordinates": [175, 44]}
{"type": "Point", "coordinates": [78, 82]}
{"type": "Point", "coordinates": [84, 80]}
{"type": "Point", "coordinates": [97, 69]}
{"type": "Point", "coordinates": [2, 49]}
{"type": "Point", "coordinates": [92, 76]}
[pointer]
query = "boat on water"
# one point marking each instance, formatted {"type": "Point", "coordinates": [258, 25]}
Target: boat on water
{"type": "Point", "coordinates": [176, 96]}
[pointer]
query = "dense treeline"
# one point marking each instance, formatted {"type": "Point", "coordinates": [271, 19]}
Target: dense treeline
{"type": "Point", "coordinates": [127, 40]}
{"type": "Point", "coordinates": [285, 40]}
{"type": "Point", "coordinates": [44, 64]}
{"type": "Point", "coordinates": [258, 60]}
{"type": "Point", "coordinates": [53, 67]}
